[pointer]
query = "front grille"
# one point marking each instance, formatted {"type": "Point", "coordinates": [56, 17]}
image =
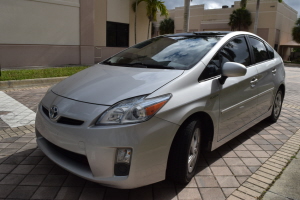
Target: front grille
{"type": "Point", "coordinates": [46, 111]}
{"type": "Point", "coordinates": [73, 156]}
{"type": "Point", "coordinates": [64, 120]}
{"type": "Point", "coordinates": [69, 121]}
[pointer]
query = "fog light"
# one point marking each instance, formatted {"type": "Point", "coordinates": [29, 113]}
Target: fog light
{"type": "Point", "coordinates": [123, 156]}
{"type": "Point", "coordinates": [122, 165]}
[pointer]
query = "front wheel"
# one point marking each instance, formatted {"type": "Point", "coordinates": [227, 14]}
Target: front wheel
{"type": "Point", "coordinates": [185, 152]}
{"type": "Point", "coordinates": [276, 107]}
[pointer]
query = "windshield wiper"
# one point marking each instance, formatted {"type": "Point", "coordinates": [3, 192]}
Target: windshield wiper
{"type": "Point", "coordinates": [153, 66]}
{"type": "Point", "coordinates": [141, 65]}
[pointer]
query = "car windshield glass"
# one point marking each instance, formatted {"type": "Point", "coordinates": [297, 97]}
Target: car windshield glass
{"type": "Point", "coordinates": [176, 52]}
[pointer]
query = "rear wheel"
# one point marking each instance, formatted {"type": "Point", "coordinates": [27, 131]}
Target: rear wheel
{"type": "Point", "coordinates": [276, 107]}
{"type": "Point", "coordinates": [185, 152]}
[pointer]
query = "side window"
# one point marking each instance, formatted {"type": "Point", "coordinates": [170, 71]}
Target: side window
{"type": "Point", "coordinates": [212, 69]}
{"type": "Point", "coordinates": [259, 50]}
{"type": "Point", "coordinates": [234, 51]}
{"type": "Point", "coordinates": [270, 51]}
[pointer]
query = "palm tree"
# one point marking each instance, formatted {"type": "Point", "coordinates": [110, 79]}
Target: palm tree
{"type": "Point", "coordinates": [244, 4]}
{"type": "Point", "coordinates": [166, 26]}
{"type": "Point", "coordinates": [240, 18]}
{"type": "Point", "coordinates": [153, 6]}
{"type": "Point", "coordinates": [186, 15]}
{"type": "Point", "coordinates": [296, 31]}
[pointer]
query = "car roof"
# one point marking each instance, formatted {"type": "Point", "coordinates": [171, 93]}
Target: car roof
{"type": "Point", "coordinates": [201, 33]}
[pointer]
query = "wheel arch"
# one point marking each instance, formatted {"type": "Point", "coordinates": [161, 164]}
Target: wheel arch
{"type": "Point", "coordinates": [207, 128]}
{"type": "Point", "coordinates": [207, 135]}
{"type": "Point", "coordinates": [282, 87]}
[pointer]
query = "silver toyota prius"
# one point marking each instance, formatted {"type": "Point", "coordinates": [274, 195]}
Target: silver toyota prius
{"type": "Point", "coordinates": [144, 114]}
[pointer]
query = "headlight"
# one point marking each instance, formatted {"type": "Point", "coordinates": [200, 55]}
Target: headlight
{"type": "Point", "coordinates": [133, 110]}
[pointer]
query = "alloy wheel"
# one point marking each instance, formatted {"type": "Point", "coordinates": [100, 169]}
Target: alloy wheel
{"type": "Point", "coordinates": [194, 150]}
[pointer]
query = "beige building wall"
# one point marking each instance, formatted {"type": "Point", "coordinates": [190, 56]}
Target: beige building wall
{"type": "Point", "coordinates": [60, 32]}
{"type": "Point", "coordinates": [39, 32]}
{"type": "Point", "coordinates": [118, 11]}
{"type": "Point", "coordinates": [285, 21]}
{"type": "Point", "coordinates": [39, 22]}
{"type": "Point", "coordinates": [100, 22]}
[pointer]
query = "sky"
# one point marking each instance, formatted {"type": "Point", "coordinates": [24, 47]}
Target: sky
{"type": "Point", "coordinates": [211, 4]}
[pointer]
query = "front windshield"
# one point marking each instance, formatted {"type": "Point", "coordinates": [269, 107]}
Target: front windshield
{"type": "Point", "coordinates": [176, 52]}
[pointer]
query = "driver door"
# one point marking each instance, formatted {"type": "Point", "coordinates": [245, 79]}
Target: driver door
{"type": "Point", "coordinates": [238, 102]}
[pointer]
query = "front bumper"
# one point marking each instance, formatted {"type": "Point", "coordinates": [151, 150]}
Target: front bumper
{"type": "Point", "coordinates": [150, 142]}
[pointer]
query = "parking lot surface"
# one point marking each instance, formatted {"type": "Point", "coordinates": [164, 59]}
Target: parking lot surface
{"type": "Point", "coordinates": [25, 172]}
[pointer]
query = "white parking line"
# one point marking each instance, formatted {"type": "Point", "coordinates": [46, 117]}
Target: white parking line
{"type": "Point", "coordinates": [19, 115]}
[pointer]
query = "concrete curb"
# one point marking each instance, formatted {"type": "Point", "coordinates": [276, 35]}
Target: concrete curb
{"type": "Point", "coordinates": [257, 184]}
{"type": "Point", "coordinates": [4, 85]}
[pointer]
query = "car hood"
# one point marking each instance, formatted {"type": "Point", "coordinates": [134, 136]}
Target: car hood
{"type": "Point", "coordinates": [106, 85]}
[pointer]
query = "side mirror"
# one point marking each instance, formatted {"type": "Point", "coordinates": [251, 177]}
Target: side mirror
{"type": "Point", "coordinates": [232, 69]}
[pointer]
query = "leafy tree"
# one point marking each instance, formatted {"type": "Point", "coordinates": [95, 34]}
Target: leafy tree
{"type": "Point", "coordinates": [243, 4]}
{"type": "Point", "coordinates": [240, 18]}
{"type": "Point", "coordinates": [296, 31]}
{"type": "Point", "coordinates": [166, 26]}
{"type": "Point", "coordinates": [153, 7]}
{"type": "Point", "coordinates": [296, 49]}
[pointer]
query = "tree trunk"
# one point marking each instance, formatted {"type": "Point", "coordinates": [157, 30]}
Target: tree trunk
{"type": "Point", "coordinates": [186, 15]}
{"type": "Point", "coordinates": [256, 17]}
{"type": "Point", "coordinates": [149, 28]}
{"type": "Point", "coordinates": [135, 22]}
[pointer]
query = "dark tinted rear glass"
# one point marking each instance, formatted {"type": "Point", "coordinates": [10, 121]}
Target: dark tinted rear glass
{"type": "Point", "coordinates": [259, 50]}
{"type": "Point", "coordinates": [177, 52]}
{"type": "Point", "coordinates": [270, 51]}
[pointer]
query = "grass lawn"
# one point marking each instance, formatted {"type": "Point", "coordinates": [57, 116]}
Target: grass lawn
{"type": "Point", "coordinates": [39, 73]}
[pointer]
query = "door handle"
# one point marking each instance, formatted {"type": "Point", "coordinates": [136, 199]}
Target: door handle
{"type": "Point", "coordinates": [253, 81]}
{"type": "Point", "coordinates": [274, 71]}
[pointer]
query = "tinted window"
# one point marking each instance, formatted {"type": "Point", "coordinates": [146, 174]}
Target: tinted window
{"type": "Point", "coordinates": [234, 51]}
{"type": "Point", "coordinates": [174, 52]}
{"type": "Point", "coordinates": [259, 50]}
{"type": "Point", "coordinates": [270, 51]}
{"type": "Point", "coordinates": [212, 69]}
{"type": "Point", "coordinates": [117, 34]}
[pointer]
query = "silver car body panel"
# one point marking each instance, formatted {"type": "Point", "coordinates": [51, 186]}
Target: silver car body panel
{"type": "Point", "coordinates": [229, 105]}
{"type": "Point", "coordinates": [107, 85]}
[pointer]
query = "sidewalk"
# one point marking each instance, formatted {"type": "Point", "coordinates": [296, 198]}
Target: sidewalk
{"type": "Point", "coordinates": [287, 186]}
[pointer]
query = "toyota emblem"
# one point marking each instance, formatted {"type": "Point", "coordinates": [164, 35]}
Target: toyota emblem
{"type": "Point", "coordinates": [53, 113]}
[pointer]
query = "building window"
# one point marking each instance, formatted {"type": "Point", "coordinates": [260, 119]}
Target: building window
{"type": "Point", "coordinates": [117, 34]}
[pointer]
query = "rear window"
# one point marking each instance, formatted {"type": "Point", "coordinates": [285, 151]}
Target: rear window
{"type": "Point", "coordinates": [177, 52]}
{"type": "Point", "coordinates": [270, 51]}
{"type": "Point", "coordinates": [259, 50]}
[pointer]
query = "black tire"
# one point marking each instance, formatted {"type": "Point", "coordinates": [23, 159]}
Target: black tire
{"type": "Point", "coordinates": [277, 105]}
{"type": "Point", "coordinates": [181, 154]}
